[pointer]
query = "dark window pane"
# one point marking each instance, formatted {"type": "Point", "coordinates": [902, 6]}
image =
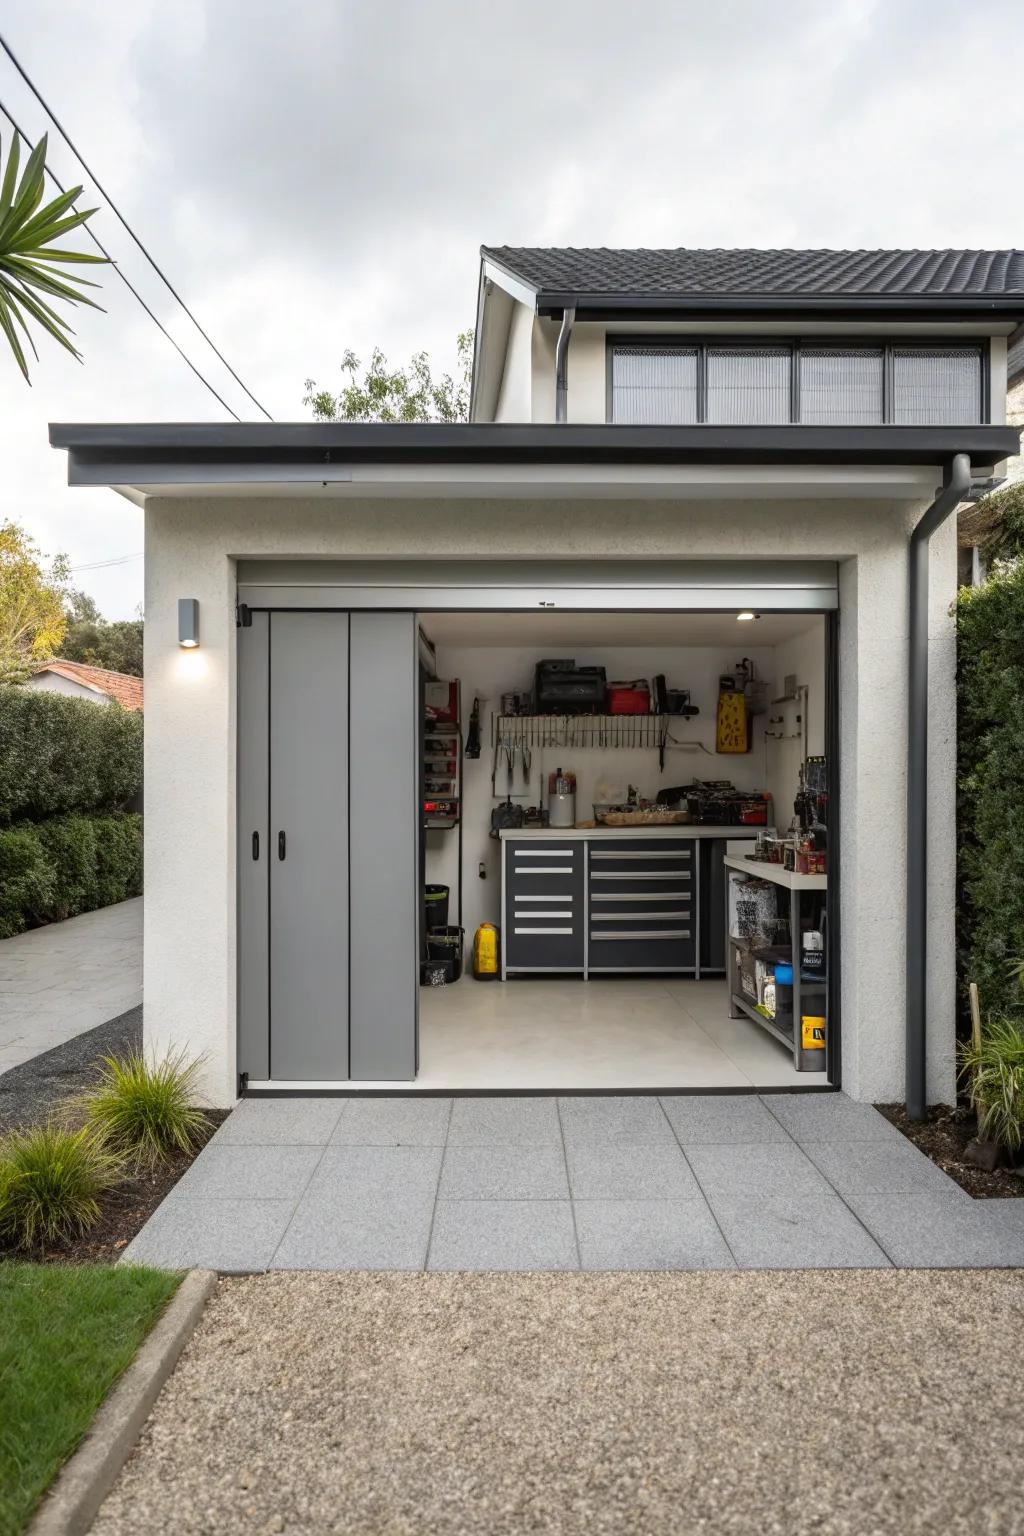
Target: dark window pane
{"type": "Point", "coordinates": [748, 384]}
{"type": "Point", "coordinates": [841, 387]}
{"type": "Point", "coordinates": [936, 386]}
{"type": "Point", "coordinates": [654, 386]}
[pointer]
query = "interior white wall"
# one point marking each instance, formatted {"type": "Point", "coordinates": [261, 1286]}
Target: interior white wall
{"type": "Point", "coordinates": [489, 671]}
{"type": "Point", "coordinates": [803, 655]}
{"type": "Point", "coordinates": [190, 726]}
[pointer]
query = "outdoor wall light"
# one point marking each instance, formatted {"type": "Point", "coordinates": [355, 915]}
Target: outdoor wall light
{"type": "Point", "coordinates": [746, 616]}
{"type": "Point", "coordinates": [188, 622]}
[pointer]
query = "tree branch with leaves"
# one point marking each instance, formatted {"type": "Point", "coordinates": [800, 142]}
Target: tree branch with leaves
{"type": "Point", "coordinates": [391, 394]}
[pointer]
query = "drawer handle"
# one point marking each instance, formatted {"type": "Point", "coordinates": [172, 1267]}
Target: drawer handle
{"type": "Point", "coordinates": [543, 853]}
{"type": "Point", "coordinates": [541, 869]}
{"type": "Point", "coordinates": [642, 933]}
{"type": "Point", "coordinates": [554, 896]}
{"type": "Point", "coordinates": [639, 874]}
{"type": "Point", "coordinates": [529, 915]}
{"type": "Point", "coordinates": [634, 853]}
{"type": "Point", "coordinates": [542, 930]}
{"type": "Point", "coordinates": [635, 917]}
{"type": "Point", "coordinates": [634, 896]}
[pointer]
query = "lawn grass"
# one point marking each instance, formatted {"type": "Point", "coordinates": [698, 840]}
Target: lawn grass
{"type": "Point", "coordinates": [66, 1334]}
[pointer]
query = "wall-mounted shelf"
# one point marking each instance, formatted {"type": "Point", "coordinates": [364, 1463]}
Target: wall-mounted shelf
{"type": "Point", "coordinates": [575, 731]}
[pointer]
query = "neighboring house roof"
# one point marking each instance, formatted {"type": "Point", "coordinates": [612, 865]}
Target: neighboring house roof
{"type": "Point", "coordinates": [852, 278]}
{"type": "Point", "coordinates": [119, 686]}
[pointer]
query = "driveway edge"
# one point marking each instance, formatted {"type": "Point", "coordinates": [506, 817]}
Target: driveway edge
{"type": "Point", "coordinates": [88, 1476]}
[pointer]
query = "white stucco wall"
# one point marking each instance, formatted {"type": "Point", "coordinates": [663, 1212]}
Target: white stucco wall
{"type": "Point", "coordinates": [514, 391]}
{"type": "Point", "coordinates": [190, 726]}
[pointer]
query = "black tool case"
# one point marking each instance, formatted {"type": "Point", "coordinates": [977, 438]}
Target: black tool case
{"type": "Point", "coordinates": [563, 688]}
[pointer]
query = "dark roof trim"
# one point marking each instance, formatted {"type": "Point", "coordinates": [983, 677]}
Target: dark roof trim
{"type": "Point", "coordinates": [122, 454]}
{"type": "Point", "coordinates": [956, 309]}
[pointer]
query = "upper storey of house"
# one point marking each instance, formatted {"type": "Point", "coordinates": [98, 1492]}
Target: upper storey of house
{"type": "Point", "coordinates": [734, 337]}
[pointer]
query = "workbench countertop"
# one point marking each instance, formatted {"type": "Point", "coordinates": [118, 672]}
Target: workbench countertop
{"type": "Point", "coordinates": [681, 829]}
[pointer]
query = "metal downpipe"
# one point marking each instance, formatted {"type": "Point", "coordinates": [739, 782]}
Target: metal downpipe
{"type": "Point", "coordinates": [562, 365]}
{"type": "Point", "coordinates": [953, 492]}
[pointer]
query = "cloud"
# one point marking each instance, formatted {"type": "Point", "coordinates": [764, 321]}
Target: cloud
{"type": "Point", "coordinates": [321, 176]}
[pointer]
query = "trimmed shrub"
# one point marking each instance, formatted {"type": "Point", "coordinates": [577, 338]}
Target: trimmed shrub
{"type": "Point", "coordinates": [59, 755]}
{"type": "Point", "coordinates": [990, 785]}
{"type": "Point", "coordinates": [146, 1111]}
{"type": "Point", "coordinates": [51, 1179]}
{"type": "Point", "coordinates": [54, 869]}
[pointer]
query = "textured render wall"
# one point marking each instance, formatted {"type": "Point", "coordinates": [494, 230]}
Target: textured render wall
{"type": "Point", "coordinates": [513, 403]}
{"type": "Point", "coordinates": [190, 960]}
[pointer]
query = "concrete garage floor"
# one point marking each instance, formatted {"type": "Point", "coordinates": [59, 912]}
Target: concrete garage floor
{"type": "Point", "coordinates": [838, 1403]}
{"type": "Point", "coordinates": [779, 1181]}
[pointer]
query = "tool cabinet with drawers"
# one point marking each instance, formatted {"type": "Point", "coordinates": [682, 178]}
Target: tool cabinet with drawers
{"type": "Point", "coordinates": [592, 902]}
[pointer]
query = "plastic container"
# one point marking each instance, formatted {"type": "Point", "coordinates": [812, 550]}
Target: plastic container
{"type": "Point", "coordinates": [784, 995]}
{"type": "Point", "coordinates": [435, 904]}
{"type": "Point", "coordinates": [629, 698]}
{"type": "Point", "coordinates": [444, 947]}
{"type": "Point", "coordinates": [485, 953]}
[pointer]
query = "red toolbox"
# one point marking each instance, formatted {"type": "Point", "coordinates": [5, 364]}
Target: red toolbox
{"type": "Point", "coordinates": [629, 698]}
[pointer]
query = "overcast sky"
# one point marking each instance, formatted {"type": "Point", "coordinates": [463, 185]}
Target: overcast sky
{"type": "Point", "coordinates": [320, 175]}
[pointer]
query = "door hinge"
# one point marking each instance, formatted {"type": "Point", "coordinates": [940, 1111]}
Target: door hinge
{"type": "Point", "coordinates": [243, 616]}
{"type": "Point", "coordinates": [243, 1083]}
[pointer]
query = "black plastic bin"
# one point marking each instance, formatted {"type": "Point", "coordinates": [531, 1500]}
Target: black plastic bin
{"type": "Point", "coordinates": [435, 905]}
{"type": "Point", "coordinates": [444, 947]}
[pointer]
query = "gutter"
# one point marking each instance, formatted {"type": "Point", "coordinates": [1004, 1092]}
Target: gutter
{"type": "Point", "coordinates": [562, 365]}
{"type": "Point", "coordinates": [958, 481]}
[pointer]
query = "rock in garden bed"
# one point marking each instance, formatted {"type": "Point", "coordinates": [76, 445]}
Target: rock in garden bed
{"type": "Point", "coordinates": [943, 1136]}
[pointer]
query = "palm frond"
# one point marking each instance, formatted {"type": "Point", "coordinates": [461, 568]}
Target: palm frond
{"type": "Point", "coordinates": [29, 259]}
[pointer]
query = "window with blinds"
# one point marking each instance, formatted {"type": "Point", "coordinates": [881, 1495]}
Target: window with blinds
{"type": "Point", "coordinates": [655, 386]}
{"type": "Point", "coordinates": [748, 384]}
{"type": "Point", "coordinates": [842, 386]}
{"type": "Point", "coordinates": [812, 383]}
{"type": "Point", "coordinates": [936, 386]}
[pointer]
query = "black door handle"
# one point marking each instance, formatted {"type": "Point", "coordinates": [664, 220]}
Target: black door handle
{"type": "Point", "coordinates": [255, 845]}
{"type": "Point", "coordinates": [281, 845]}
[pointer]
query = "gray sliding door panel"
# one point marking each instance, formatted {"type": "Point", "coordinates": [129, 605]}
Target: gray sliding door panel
{"type": "Point", "coordinates": [309, 919]}
{"type": "Point", "coordinates": [253, 854]}
{"type": "Point", "coordinates": [383, 845]}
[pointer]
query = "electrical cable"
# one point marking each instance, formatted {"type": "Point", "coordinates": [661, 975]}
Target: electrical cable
{"type": "Point", "coordinates": [132, 289]}
{"type": "Point", "coordinates": [120, 216]}
{"type": "Point", "coordinates": [100, 565]}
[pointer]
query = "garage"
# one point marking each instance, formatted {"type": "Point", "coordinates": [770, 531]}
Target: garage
{"type": "Point", "coordinates": [507, 827]}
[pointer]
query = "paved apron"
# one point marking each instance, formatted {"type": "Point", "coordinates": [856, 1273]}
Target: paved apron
{"type": "Point", "coordinates": [780, 1181]}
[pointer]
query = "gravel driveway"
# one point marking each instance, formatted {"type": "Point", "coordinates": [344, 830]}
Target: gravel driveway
{"type": "Point", "coordinates": [826, 1401]}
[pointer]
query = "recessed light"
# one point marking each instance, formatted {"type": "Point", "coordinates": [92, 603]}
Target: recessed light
{"type": "Point", "coordinates": [745, 618]}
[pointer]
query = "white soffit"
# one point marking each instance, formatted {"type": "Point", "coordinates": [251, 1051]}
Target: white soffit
{"type": "Point", "coordinates": [694, 482]}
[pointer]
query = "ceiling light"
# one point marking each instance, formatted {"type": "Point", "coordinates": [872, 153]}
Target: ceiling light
{"type": "Point", "coordinates": [746, 616]}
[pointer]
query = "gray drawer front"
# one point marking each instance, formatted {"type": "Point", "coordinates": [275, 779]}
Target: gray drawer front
{"type": "Point", "coordinates": [544, 906]}
{"type": "Point", "coordinates": [661, 858]}
{"type": "Point", "coordinates": [671, 950]}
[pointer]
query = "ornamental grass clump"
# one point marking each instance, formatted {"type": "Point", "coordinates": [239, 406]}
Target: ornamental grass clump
{"type": "Point", "coordinates": [993, 1066]}
{"type": "Point", "coordinates": [51, 1181]}
{"type": "Point", "coordinates": [146, 1110]}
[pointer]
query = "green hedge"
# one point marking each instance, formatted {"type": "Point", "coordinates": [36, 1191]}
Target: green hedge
{"type": "Point", "coordinates": [54, 869]}
{"type": "Point", "coordinates": [59, 755]}
{"type": "Point", "coordinates": [990, 784]}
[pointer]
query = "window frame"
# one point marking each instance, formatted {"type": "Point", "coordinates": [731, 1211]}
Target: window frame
{"type": "Point", "coordinates": [888, 345]}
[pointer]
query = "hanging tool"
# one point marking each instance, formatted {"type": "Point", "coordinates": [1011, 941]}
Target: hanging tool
{"type": "Point", "coordinates": [473, 735]}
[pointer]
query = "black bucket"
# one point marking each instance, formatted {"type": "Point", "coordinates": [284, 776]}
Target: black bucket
{"type": "Point", "coordinates": [444, 947]}
{"type": "Point", "coordinates": [435, 904]}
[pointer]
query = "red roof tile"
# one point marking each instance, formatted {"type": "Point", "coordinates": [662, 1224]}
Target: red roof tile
{"type": "Point", "coordinates": [120, 686]}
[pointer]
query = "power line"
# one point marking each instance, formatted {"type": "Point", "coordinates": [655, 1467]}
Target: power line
{"type": "Point", "coordinates": [102, 565]}
{"type": "Point", "coordinates": [120, 216]}
{"type": "Point", "coordinates": [100, 246]}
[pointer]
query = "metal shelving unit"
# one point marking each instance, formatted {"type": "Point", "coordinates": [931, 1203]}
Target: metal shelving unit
{"type": "Point", "coordinates": [576, 731]}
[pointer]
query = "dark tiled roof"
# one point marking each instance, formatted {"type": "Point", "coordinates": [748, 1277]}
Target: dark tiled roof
{"type": "Point", "coordinates": [848, 275]}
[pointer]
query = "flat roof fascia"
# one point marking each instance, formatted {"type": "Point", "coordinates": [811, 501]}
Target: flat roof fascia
{"type": "Point", "coordinates": [999, 309]}
{"type": "Point", "coordinates": [178, 453]}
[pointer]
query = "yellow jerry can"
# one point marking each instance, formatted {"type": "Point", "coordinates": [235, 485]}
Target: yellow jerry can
{"type": "Point", "coordinates": [485, 952]}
